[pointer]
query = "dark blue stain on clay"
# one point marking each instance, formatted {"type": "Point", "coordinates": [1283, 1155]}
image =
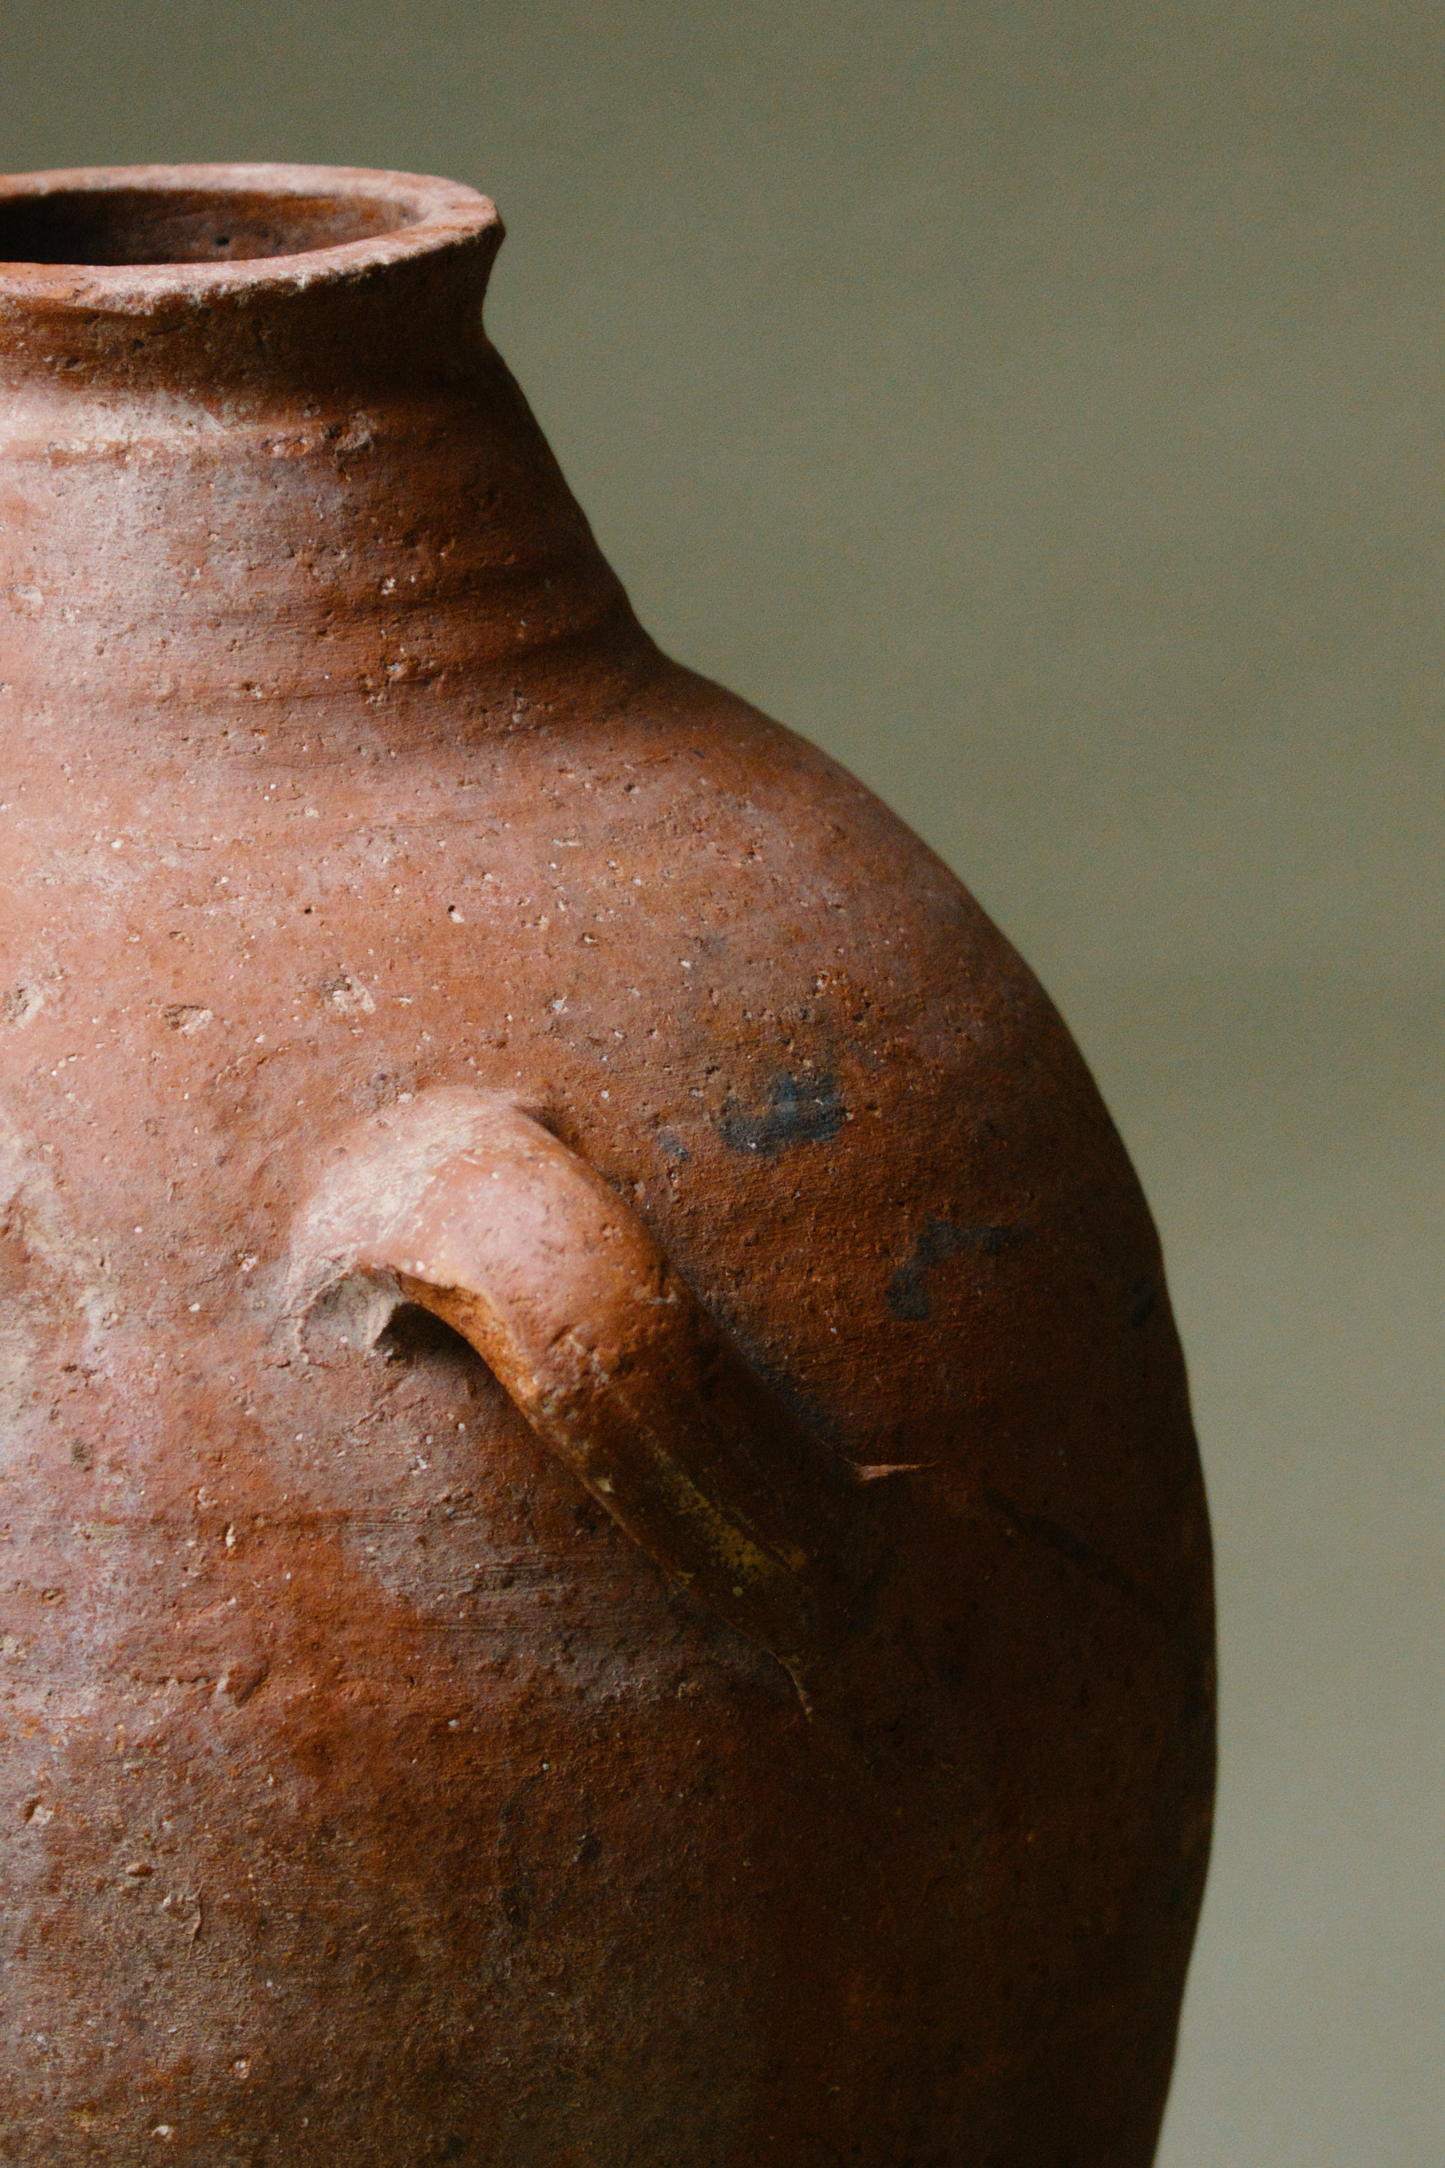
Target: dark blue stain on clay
{"type": "Point", "coordinates": [940, 1240]}
{"type": "Point", "coordinates": [800, 1110]}
{"type": "Point", "coordinates": [1143, 1302]}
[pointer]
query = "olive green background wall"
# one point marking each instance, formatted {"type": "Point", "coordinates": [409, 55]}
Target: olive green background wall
{"type": "Point", "coordinates": [1040, 404]}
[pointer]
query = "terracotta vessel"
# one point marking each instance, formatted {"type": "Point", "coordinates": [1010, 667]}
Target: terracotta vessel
{"type": "Point", "coordinates": [603, 1557]}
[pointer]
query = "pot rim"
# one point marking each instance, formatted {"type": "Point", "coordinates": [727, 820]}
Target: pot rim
{"type": "Point", "coordinates": [427, 216]}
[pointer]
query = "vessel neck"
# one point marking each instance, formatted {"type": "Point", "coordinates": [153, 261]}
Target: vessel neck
{"type": "Point", "coordinates": [265, 480]}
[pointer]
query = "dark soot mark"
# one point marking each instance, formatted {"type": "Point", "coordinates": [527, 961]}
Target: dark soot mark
{"type": "Point", "coordinates": [800, 1110]}
{"type": "Point", "coordinates": [940, 1240]}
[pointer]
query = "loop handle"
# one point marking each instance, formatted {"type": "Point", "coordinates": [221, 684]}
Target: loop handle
{"type": "Point", "coordinates": [472, 1209]}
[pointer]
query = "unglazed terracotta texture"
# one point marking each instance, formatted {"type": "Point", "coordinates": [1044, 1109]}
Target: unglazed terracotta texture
{"type": "Point", "coordinates": [603, 1558]}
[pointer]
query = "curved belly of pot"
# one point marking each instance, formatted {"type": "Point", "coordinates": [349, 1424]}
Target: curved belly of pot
{"type": "Point", "coordinates": [368, 1794]}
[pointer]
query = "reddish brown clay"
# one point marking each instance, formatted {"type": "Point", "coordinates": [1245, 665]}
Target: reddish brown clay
{"type": "Point", "coordinates": [753, 1703]}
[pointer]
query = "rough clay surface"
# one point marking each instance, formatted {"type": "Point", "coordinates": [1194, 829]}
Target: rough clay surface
{"type": "Point", "coordinates": [367, 1795]}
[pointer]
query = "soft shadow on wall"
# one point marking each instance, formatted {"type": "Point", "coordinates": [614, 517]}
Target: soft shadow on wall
{"type": "Point", "coordinates": [1038, 406]}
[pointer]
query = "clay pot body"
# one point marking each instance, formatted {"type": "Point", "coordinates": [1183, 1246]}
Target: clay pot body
{"type": "Point", "coordinates": [760, 1714]}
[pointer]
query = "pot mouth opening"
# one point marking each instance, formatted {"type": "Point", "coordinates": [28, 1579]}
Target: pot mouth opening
{"type": "Point", "coordinates": [132, 234]}
{"type": "Point", "coordinates": [177, 225]}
